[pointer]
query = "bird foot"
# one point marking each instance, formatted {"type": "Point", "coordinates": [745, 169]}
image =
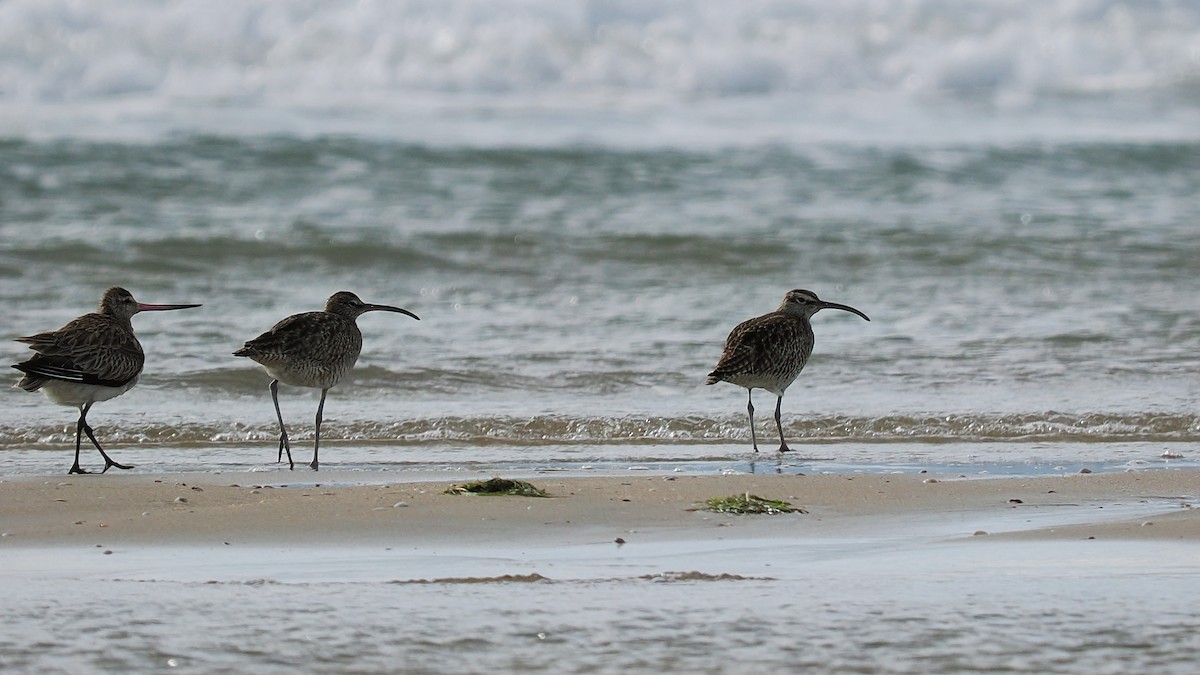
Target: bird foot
{"type": "Point", "coordinates": [784, 448]}
{"type": "Point", "coordinates": [109, 464]}
{"type": "Point", "coordinates": [285, 446]}
{"type": "Point", "coordinates": [314, 465]}
{"type": "Point", "coordinates": [77, 469]}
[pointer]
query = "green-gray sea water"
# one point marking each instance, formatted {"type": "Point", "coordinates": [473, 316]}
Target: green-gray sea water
{"type": "Point", "coordinates": [580, 199]}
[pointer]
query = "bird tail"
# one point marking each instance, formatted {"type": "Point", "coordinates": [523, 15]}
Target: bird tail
{"type": "Point", "coordinates": [30, 382]}
{"type": "Point", "coordinates": [714, 377]}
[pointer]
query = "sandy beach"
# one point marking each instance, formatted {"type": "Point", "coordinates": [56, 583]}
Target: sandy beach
{"type": "Point", "coordinates": [226, 509]}
{"type": "Point", "coordinates": [346, 572]}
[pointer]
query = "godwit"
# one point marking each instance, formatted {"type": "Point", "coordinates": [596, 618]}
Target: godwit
{"type": "Point", "coordinates": [93, 358]}
{"type": "Point", "coordinates": [769, 351]}
{"type": "Point", "coordinates": [313, 349]}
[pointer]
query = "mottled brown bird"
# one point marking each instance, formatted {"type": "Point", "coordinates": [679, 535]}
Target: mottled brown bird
{"type": "Point", "coordinates": [93, 358]}
{"type": "Point", "coordinates": [313, 349]}
{"type": "Point", "coordinates": [768, 352]}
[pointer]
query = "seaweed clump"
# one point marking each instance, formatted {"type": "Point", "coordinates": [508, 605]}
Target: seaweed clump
{"type": "Point", "coordinates": [748, 503]}
{"type": "Point", "coordinates": [497, 486]}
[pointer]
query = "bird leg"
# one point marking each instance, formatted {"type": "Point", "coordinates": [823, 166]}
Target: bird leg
{"type": "Point", "coordinates": [783, 446]}
{"type": "Point", "coordinates": [283, 437]}
{"type": "Point", "coordinates": [75, 468]}
{"type": "Point", "coordinates": [109, 462]}
{"type": "Point", "coordinates": [317, 436]}
{"type": "Point", "coordinates": [750, 410]}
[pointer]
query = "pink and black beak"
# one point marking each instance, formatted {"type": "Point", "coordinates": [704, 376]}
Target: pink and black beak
{"type": "Point", "coordinates": [145, 307]}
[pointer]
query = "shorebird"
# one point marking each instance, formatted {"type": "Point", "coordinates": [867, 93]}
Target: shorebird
{"type": "Point", "coordinates": [769, 351]}
{"type": "Point", "coordinates": [93, 358]}
{"type": "Point", "coordinates": [313, 349]}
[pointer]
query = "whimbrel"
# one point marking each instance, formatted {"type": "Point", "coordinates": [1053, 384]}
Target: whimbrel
{"type": "Point", "coordinates": [93, 358]}
{"type": "Point", "coordinates": [313, 349]}
{"type": "Point", "coordinates": [769, 351]}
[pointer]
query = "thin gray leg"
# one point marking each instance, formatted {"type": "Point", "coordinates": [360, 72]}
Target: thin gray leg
{"type": "Point", "coordinates": [783, 446]}
{"type": "Point", "coordinates": [750, 410]}
{"type": "Point", "coordinates": [317, 439]}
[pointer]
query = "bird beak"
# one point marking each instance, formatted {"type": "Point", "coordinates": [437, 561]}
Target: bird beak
{"type": "Point", "coordinates": [389, 308]}
{"type": "Point", "coordinates": [143, 307]}
{"type": "Point", "coordinates": [844, 308]}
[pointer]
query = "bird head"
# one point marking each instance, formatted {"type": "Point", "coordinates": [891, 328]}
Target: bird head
{"type": "Point", "coordinates": [119, 303]}
{"type": "Point", "coordinates": [804, 303]}
{"type": "Point", "coordinates": [348, 305]}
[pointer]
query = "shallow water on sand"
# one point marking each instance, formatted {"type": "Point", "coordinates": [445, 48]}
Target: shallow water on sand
{"type": "Point", "coordinates": [353, 463]}
{"type": "Point", "coordinates": [927, 599]}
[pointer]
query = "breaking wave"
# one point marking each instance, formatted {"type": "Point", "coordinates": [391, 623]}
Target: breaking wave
{"type": "Point", "coordinates": [372, 67]}
{"type": "Point", "coordinates": [1043, 427]}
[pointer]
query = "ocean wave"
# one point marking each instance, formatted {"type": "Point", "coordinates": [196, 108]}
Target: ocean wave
{"type": "Point", "coordinates": [1025, 428]}
{"type": "Point", "coordinates": [270, 65]}
{"type": "Point", "coordinates": [301, 52]}
{"type": "Point", "coordinates": [552, 214]}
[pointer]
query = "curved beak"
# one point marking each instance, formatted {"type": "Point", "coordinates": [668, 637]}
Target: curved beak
{"type": "Point", "coordinates": [143, 307]}
{"type": "Point", "coordinates": [389, 308]}
{"type": "Point", "coordinates": [844, 308]}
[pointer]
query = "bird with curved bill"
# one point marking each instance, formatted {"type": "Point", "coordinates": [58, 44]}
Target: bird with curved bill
{"type": "Point", "coordinates": [313, 349]}
{"type": "Point", "coordinates": [769, 351]}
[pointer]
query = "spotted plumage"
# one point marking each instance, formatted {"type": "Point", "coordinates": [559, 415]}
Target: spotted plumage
{"type": "Point", "coordinates": [313, 349]}
{"type": "Point", "coordinates": [769, 351]}
{"type": "Point", "coordinates": [95, 357]}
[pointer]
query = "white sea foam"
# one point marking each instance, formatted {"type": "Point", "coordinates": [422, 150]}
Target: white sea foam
{"type": "Point", "coordinates": [617, 71]}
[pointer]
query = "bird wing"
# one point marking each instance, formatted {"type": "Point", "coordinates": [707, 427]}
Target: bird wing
{"type": "Point", "coordinates": [296, 334]}
{"type": "Point", "coordinates": [749, 342]}
{"type": "Point", "coordinates": [90, 350]}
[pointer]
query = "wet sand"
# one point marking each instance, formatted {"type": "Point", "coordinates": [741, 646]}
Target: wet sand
{"type": "Point", "coordinates": [344, 572]}
{"type": "Point", "coordinates": [229, 509]}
